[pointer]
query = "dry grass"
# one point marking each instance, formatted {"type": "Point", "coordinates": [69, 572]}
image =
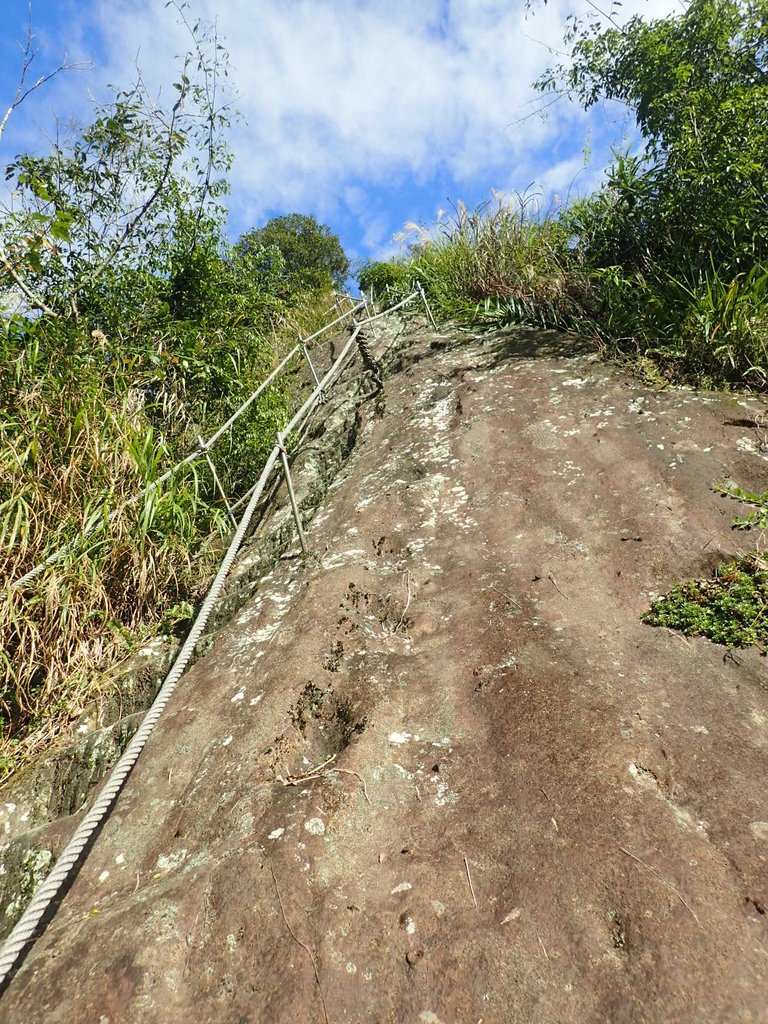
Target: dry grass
{"type": "Point", "coordinates": [78, 443]}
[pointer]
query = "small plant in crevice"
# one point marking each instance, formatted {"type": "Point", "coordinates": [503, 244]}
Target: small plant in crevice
{"type": "Point", "coordinates": [730, 608]}
{"type": "Point", "coordinates": [759, 502]}
{"type": "Point", "coordinates": [334, 657]}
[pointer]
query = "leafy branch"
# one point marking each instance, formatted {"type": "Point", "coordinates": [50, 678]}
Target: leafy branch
{"type": "Point", "coordinates": [23, 91]}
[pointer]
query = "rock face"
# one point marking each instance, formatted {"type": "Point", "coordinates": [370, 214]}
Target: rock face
{"type": "Point", "coordinates": [439, 772]}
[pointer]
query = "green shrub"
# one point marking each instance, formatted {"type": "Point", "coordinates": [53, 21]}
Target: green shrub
{"type": "Point", "coordinates": [386, 280]}
{"type": "Point", "coordinates": [729, 608]}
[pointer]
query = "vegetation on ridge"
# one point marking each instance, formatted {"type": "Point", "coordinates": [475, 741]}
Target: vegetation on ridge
{"type": "Point", "coordinates": [132, 328]}
{"type": "Point", "coordinates": [668, 258]}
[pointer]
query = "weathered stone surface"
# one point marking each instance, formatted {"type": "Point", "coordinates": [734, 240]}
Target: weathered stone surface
{"type": "Point", "coordinates": [537, 808]}
{"type": "Point", "coordinates": [62, 781]}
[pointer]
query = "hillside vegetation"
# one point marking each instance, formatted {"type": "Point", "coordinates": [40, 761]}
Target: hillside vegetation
{"type": "Point", "coordinates": [668, 259]}
{"type": "Point", "coordinates": [132, 328]}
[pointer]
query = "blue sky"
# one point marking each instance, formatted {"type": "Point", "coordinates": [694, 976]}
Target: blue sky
{"type": "Point", "coordinates": [366, 113]}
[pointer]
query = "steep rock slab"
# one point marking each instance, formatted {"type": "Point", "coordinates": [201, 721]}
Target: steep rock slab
{"type": "Point", "coordinates": [441, 772]}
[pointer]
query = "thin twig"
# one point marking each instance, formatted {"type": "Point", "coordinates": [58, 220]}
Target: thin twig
{"type": "Point", "coordinates": [679, 636]}
{"type": "Point", "coordinates": [408, 600]}
{"type": "Point", "coordinates": [303, 945]}
{"type": "Point", "coordinates": [469, 879]}
{"type": "Point", "coordinates": [543, 947]}
{"type": "Point", "coordinates": [505, 596]}
{"type": "Point", "coordinates": [348, 771]}
{"type": "Point", "coordinates": [662, 880]}
{"type": "Point", "coordinates": [553, 581]}
{"type": "Point", "coordinates": [309, 774]}
{"type": "Point", "coordinates": [322, 771]}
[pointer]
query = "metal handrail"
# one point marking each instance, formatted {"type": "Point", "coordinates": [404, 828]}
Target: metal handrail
{"type": "Point", "coordinates": [26, 928]}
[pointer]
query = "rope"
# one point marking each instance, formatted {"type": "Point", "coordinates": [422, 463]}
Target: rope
{"type": "Point", "coordinates": [67, 863]}
{"type": "Point", "coordinates": [205, 446]}
{"type": "Point", "coordinates": [47, 892]}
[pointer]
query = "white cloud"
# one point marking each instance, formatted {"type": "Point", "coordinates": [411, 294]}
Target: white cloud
{"type": "Point", "coordinates": [342, 96]}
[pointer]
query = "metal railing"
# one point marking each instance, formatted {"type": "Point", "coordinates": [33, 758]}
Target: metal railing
{"type": "Point", "coordinates": [26, 929]}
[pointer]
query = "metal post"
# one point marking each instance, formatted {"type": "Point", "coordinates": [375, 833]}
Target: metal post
{"type": "Point", "coordinates": [426, 305]}
{"type": "Point", "coordinates": [314, 372]}
{"type": "Point", "coordinates": [209, 460]}
{"type": "Point", "coordinates": [291, 495]}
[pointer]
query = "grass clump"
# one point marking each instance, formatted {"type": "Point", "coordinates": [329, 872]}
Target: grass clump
{"type": "Point", "coordinates": [730, 608]}
{"type": "Point", "coordinates": [504, 262]}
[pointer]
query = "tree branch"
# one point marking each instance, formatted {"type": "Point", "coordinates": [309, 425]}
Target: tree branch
{"type": "Point", "coordinates": [29, 292]}
{"type": "Point", "coordinates": [143, 209]}
{"type": "Point", "coordinates": [22, 92]}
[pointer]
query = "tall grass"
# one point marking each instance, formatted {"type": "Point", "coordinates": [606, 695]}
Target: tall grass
{"type": "Point", "coordinates": [505, 261]}
{"type": "Point", "coordinates": [508, 262]}
{"type": "Point", "coordinates": [82, 433]}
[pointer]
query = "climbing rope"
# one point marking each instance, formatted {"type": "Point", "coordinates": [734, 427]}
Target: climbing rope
{"type": "Point", "coordinates": [68, 862]}
{"type": "Point", "coordinates": [201, 451]}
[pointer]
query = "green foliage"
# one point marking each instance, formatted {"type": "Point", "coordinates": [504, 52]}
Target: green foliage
{"type": "Point", "coordinates": [142, 329]}
{"type": "Point", "coordinates": [92, 218]}
{"type": "Point", "coordinates": [759, 502]}
{"type": "Point", "coordinates": [388, 281]}
{"type": "Point", "coordinates": [312, 254]}
{"type": "Point", "coordinates": [668, 259]}
{"type": "Point", "coordinates": [501, 262]}
{"type": "Point", "coordinates": [676, 240]}
{"type": "Point", "coordinates": [698, 86]}
{"type": "Point", "coordinates": [730, 608]}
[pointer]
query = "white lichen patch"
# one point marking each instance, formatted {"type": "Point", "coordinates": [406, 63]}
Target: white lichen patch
{"type": "Point", "coordinates": [35, 866]}
{"type": "Point", "coordinates": [240, 695]}
{"type": "Point", "coordinates": [399, 737]}
{"type": "Point", "coordinates": [443, 794]}
{"type": "Point", "coordinates": [226, 741]}
{"type": "Point", "coordinates": [349, 557]}
{"type": "Point", "coordinates": [315, 826]}
{"type": "Point", "coordinates": [265, 634]}
{"type": "Point", "coordinates": [747, 444]}
{"type": "Point", "coordinates": [103, 877]}
{"type": "Point", "coordinates": [168, 862]}
{"type": "Point", "coordinates": [276, 833]}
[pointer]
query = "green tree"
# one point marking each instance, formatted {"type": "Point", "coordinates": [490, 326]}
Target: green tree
{"type": "Point", "coordinates": [698, 86]}
{"type": "Point", "coordinates": [313, 255]}
{"type": "Point", "coordinates": [93, 217]}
